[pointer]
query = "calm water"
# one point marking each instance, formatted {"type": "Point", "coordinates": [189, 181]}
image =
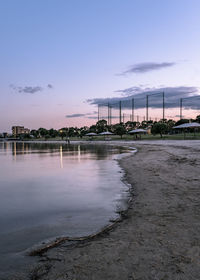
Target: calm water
{"type": "Point", "coordinates": [50, 190]}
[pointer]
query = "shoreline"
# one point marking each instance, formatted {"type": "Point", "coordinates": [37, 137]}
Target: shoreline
{"type": "Point", "coordinates": [122, 213]}
{"type": "Point", "coordinates": [159, 239]}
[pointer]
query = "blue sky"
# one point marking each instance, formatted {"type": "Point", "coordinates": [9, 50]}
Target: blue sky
{"type": "Point", "coordinates": [84, 49]}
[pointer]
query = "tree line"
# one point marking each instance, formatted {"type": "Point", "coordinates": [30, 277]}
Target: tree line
{"type": "Point", "coordinates": [157, 127]}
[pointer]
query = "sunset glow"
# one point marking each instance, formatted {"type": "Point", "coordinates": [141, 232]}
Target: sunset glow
{"type": "Point", "coordinates": [57, 55]}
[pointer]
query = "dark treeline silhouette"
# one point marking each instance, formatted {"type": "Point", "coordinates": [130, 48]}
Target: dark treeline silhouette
{"type": "Point", "coordinates": [157, 127]}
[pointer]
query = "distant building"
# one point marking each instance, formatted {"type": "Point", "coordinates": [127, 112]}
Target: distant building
{"type": "Point", "coordinates": [27, 131]}
{"type": "Point", "coordinates": [18, 130]}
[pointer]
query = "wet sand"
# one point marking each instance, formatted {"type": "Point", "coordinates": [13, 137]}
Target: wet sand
{"type": "Point", "coordinates": [160, 235]}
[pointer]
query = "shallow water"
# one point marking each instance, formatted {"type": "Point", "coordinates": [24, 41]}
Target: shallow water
{"type": "Point", "coordinates": [50, 190]}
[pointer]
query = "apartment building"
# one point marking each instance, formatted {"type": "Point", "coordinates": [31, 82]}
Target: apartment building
{"type": "Point", "coordinates": [18, 130]}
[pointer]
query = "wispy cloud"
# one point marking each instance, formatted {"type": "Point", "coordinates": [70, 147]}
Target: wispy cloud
{"type": "Point", "coordinates": [133, 90]}
{"type": "Point", "coordinates": [93, 118]}
{"type": "Point", "coordinates": [89, 115]}
{"type": "Point", "coordinates": [26, 89]}
{"type": "Point", "coordinates": [29, 89]}
{"type": "Point", "coordinates": [147, 67]}
{"type": "Point", "coordinates": [75, 115]}
{"type": "Point", "coordinates": [172, 97]}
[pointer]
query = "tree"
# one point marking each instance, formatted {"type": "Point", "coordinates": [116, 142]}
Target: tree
{"type": "Point", "coordinates": [130, 124]}
{"type": "Point", "coordinates": [34, 132]}
{"type": "Point", "coordinates": [84, 130]}
{"type": "Point", "coordinates": [182, 121]}
{"type": "Point", "coordinates": [101, 126]}
{"type": "Point", "coordinates": [42, 131]}
{"type": "Point", "coordinates": [170, 124]}
{"type": "Point", "coordinates": [144, 124]}
{"type": "Point", "coordinates": [53, 133]}
{"type": "Point", "coordinates": [93, 128]}
{"type": "Point", "coordinates": [198, 119]}
{"type": "Point", "coordinates": [62, 133]}
{"type": "Point", "coordinates": [47, 136]}
{"type": "Point", "coordinates": [159, 127]}
{"type": "Point", "coordinates": [119, 129]}
{"type": "Point", "coordinates": [71, 132]}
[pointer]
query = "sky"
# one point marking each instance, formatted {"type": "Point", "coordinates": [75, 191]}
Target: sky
{"type": "Point", "coordinates": [61, 58]}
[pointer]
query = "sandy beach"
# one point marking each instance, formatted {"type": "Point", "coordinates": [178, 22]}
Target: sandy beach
{"type": "Point", "coordinates": [160, 235]}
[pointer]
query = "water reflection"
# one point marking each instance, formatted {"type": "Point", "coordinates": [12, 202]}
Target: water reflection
{"type": "Point", "coordinates": [97, 151]}
{"type": "Point", "coordinates": [14, 150]}
{"type": "Point", "coordinates": [79, 153]}
{"type": "Point", "coordinates": [49, 190]}
{"type": "Point", "coordinates": [4, 147]}
{"type": "Point", "coordinates": [61, 157]}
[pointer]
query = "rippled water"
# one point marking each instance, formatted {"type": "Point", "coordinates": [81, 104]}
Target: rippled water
{"type": "Point", "coordinates": [50, 190]}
